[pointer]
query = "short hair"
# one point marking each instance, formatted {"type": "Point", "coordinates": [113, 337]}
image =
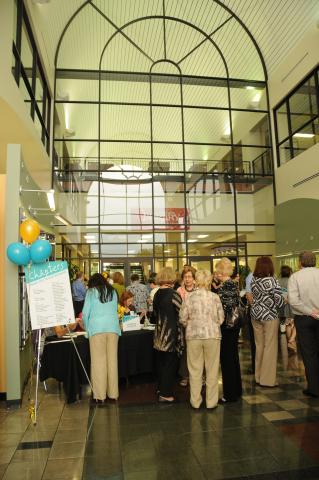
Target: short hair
{"type": "Point", "coordinates": [165, 276]}
{"type": "Point", "coordinates": [118, 278]}
{"type": "Point", "coordinates": [264, 267]}
{"type": "Point", "coordinates": [134, 277]}
{"type": "Point", "coordinates": [125, 296]}
{"type": "Point", "coordinates": [203, 279]}
{"type": "Point", "coordinates": [79, 275]}
{"type": "Point", "coordinates": [307, 259]}
{"type": "Point", "coordinates": [285, 271]}
{"type": "Point", "coordinates": [188, 269]}
{"type": "Point", "coordinates": [151, 280]}
{"type": "Point", "coordinates": [224, 267]}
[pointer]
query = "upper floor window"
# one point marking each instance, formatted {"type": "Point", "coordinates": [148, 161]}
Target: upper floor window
{"type": "Point", "coordinates": [28, 72]}
{"type": "Point", "coordinates": [296, 119]}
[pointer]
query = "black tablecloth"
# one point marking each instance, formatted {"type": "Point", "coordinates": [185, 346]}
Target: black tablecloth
{"type": "Point", "coordinates": [136, 353]}
{"type": "Point", "coordinates": [60, 361]}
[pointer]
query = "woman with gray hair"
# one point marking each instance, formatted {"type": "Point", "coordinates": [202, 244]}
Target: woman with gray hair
{"type": "Point", "coordinates": [303, 297]}
{"type": "Point", "coordinates": [202, 314]}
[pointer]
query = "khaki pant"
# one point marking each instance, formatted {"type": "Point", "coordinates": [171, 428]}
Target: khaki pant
{"type": "Point", "coordinates": [104, 371]}
{"type": "Point", "coordinates": [200, 354]}
{"type": "Point", "coordinates": [266, 339]}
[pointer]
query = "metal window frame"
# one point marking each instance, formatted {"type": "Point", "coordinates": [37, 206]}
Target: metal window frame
{"type": "Point", "coordinates": [100, 74]}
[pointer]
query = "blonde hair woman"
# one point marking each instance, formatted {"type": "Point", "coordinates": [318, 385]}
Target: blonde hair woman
{"type": "Point", "coordinates": [202, 314]}
{"type": "Point", "coordinates": [229, 358]}
{"type": "Point", "coordinates": [167, 335]}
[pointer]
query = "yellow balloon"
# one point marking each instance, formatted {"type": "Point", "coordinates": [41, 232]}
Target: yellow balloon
{"type": "Point", "coordinates": [29, 230]}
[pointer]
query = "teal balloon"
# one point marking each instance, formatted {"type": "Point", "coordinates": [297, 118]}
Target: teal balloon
{"type": "Point", "coordinates": [40, 251]}
{"type": "Point", "coordinates": [18, 253]}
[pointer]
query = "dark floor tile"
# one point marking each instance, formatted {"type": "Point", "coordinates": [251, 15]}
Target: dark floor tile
{"type": "Point", "coordinates": [34, 445]}
{"type": "Point", "coordinates": [222, 470]}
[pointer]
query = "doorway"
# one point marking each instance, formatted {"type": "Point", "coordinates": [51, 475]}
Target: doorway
{"type": "Point", "coordinates": [128, 266]}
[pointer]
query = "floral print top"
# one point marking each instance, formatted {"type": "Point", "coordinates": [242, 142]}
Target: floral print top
{"type": "Point", "coordinates": [202, 314]}
{"type": "Point", "coordinates": [140, 293]}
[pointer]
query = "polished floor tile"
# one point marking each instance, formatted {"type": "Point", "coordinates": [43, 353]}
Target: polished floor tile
{"type": "Point", "coordinates": [71, 468]}
{"type": "Point", "coordinates": [281, 415]}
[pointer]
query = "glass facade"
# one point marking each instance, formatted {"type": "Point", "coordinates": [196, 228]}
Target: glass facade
{"type": "Point", "coordinates": [296, 119]}
{"type": "Point", "coordinates": [29, 75]}
{"type": "Point", "coordinates": [161, 167]}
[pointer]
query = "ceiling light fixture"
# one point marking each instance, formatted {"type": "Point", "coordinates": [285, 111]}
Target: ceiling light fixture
{"type": "Point", "coordinates": [249, 87]}
{"type": "Point", "coordinates": [192, 240]}
{"type": "Point", "coordinates": [304, 135]}
{"type": "Point", "coordinates": [51, 201]}
{"type": "Point", "coordinates": [166, 251]}
{"type": "Point", "coordinates": [202, 236]}
{"type": "Point", "coordinates": [62, 219]}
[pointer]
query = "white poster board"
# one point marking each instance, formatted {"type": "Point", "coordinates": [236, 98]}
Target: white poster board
{"type": "Point", "coordinates": [49, 294]}
{"type": "Point", "coordinates": [131, 323]}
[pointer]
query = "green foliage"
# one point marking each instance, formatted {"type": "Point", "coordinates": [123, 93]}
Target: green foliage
{"type": "Point", "coordinates": [243, 273]}
{"type": "Point", "coordinates": [73, 270]}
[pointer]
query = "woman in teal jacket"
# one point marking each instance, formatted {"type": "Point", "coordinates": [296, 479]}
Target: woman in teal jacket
{"type": "Point", "coordinates": [101, 321]}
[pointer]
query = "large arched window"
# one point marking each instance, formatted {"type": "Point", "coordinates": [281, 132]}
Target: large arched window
{"type": "Point", "coordinates": [163, 105]}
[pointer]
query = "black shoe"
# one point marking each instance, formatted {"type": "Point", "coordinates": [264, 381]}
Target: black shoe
{"type": "Point", "coordinates": [309, 394]}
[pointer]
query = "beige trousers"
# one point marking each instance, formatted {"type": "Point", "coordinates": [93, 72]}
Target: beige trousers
{"type": "Point", "coordinates": [104, 371]}
{"type": "Point", "coordinates": [266, 339]}
{"type": "Point", "coordinates": [200, 354]}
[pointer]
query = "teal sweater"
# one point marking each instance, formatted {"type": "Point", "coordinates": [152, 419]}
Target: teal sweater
{"type": "Point", "coordinates": [100, 317]}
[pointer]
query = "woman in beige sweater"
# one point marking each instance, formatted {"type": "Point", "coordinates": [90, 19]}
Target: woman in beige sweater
{"type": "Point", "coordinates": [202, 314]}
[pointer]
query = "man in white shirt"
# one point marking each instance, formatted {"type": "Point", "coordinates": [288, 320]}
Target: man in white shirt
{"type": "Point", "coordinates": [303, 297]}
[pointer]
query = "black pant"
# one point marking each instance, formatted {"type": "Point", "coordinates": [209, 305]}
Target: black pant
{"type": "Point", "coordinates": [167, 363]}
{"type": "Point", "coordinates": [78, 307]}
{"type": "Point", "coordinates": [308, 338]}
{"type": "Point", "coordinates": [230, 365]}
{"type": "Point", "coordinates": [252, 344]}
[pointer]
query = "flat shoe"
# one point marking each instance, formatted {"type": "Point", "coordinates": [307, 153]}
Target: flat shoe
{"type": "Point", "coordinates": [309, 394]}
{"type": "Point", "coordinates": [164, 400]}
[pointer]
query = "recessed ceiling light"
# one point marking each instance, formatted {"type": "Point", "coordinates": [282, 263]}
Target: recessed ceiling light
{"type": "Point", "coordinates": [192, 240]}
{"type": "Point", "coordinates": [202, 236]}
{"type": "Point", "coordinates": [249, 87]}
{"type": "Point", "coordinates": [304, 135]}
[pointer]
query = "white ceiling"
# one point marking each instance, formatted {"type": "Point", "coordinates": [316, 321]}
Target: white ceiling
{"type": "Point", "coordinates": [276, 25]}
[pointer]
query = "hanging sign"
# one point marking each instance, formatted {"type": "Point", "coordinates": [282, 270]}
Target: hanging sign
{"type": "Point", "coordinates": [49, 294]}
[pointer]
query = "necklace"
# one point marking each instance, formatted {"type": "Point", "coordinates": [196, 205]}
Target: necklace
{"type": "Point", "coordinates": [187, 290]}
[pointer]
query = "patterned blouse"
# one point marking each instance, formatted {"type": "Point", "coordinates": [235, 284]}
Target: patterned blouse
{"type": "Point", "coordinates": [267, 298]}
{"type": "Point", "coordinates": [202, 314]}
{"type": "Point", "coordinates": [140, 293]}
{"type": "Point", "coordinates": [167, 336]}
{"type": "Point", "coordinates": [229, 296]}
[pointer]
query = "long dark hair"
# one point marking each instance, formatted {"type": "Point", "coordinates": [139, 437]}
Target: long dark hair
{"type": "Point", "coordinates": [103, 287]}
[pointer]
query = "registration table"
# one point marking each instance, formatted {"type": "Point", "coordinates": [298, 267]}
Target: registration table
{"type": "Point", "coordinates": [60, 361]}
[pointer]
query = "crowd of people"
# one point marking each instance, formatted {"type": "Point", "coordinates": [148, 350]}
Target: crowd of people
{"type": "Point", "coordinates": [197, 319]}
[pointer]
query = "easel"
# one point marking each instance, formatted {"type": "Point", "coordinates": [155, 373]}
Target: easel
{"type": "Point", "coordinates": [34, 408]}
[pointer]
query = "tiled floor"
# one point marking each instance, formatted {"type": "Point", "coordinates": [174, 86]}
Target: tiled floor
{"type": "Point", "coordinates": [269, 434]}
